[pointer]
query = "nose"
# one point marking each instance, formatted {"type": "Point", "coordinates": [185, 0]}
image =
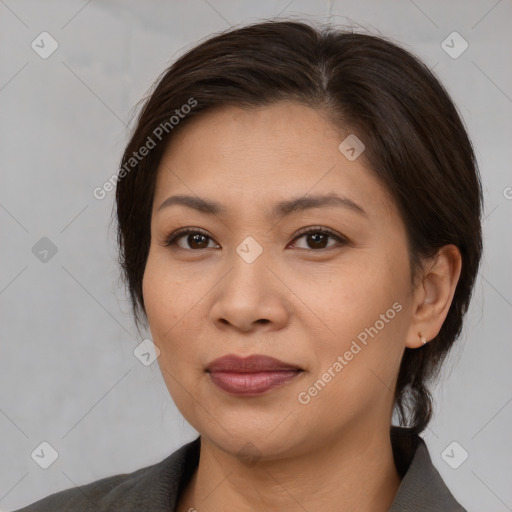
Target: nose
{"type": "Point", "coordinates": [251, 296]}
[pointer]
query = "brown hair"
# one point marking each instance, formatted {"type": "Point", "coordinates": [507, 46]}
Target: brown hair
{"type": "Point", "coordinates": [416, 144]}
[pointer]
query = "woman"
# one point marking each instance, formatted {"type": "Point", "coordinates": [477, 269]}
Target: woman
{"type": "Point", "coordinates": [299, 227]}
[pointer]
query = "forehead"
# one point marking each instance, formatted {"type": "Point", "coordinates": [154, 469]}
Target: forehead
{"type": "Point", "coordinates": [240, 155]}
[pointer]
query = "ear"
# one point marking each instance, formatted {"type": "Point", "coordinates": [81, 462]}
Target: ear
{"type": "Point", "coordinates": [433, 295]}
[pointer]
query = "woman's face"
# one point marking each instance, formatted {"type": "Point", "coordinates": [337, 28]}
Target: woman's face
{"type": "Point", "coordinates": [338, 307]}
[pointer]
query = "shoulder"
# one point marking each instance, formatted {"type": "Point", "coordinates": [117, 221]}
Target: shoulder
{"type": "Point", "coordinates": [152, 488]}
{"type": "Point", "coordinates": [422, 488]}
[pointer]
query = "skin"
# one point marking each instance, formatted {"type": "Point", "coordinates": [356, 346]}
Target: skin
{"type": "Point", "coordinates": [296, 302]}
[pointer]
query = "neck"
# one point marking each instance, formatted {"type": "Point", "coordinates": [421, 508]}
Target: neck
{"type": "Point", "coordinates": [354, 472]}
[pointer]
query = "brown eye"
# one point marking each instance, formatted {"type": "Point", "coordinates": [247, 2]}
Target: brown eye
{"type": "Point", "coordinates": [189, 239]}
{"type": "Point", "coordinates": [318, 239]}
{"type": "Point", "coordinates": [197, 241]}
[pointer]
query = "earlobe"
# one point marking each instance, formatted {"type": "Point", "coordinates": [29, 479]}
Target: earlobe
{"type": "Point", "coordinates": [434, 295]}
{"type": "Point", "coordinates": [422, 338]}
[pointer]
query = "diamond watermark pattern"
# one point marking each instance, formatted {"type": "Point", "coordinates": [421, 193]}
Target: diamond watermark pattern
{"type": "Point", "coordinates": [249, 249]}
{"type": "Point", "coordinates": [146, 352]}
{"type": "Point", "coordinates": [454, 45]}
{"type": "Point", "coordinates": [44, 455]}
{"type": "Point", "coordinates": [454, 455]}
{"type": "Point", "coordinates": [249, 454]}
{"type": "Point", "coordinates": [44, 45]}
{"type": "Point", "coordinates": [44, 250]}
{"type": "Point", "coordinates": [352, 147]}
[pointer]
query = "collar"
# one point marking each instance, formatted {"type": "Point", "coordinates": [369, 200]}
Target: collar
{"type": "Point", "coordinates": [421, 490]}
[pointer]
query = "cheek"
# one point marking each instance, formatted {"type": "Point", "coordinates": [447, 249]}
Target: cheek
{"type": "Point", "coordinates": [351, 297]}
{"type": "Point", "coordinates": [172, 330]}
{"type": "Point", "coordinates": [157, 299]}
{"type": "Point", "coordinates": [361, 314]}
{"type": "Point", "coordinates": [161, 301]}
{"type": "Point", "coordinates": [171, 305]}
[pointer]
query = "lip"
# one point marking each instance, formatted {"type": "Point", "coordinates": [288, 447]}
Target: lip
{"type": "Point", "coordinates": [251, 364]}
{"type": "Point", "coordinates": [251, 376]}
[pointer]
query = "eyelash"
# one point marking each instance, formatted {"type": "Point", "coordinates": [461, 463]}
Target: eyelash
{"type": "Point", "coordinates": [174, 237]}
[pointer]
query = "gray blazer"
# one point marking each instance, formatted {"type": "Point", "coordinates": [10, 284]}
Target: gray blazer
{"type": "Point", "coordinates": [156, 488]}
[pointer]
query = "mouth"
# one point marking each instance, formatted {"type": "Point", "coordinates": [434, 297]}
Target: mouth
{"type": "Point", "coordinates": [251, 364]}
{"type": "Point", "coordinates": [251, 376]}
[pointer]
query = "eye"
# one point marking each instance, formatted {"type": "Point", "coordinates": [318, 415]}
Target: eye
{"type": "Point", "coordinates": [317, 238]}
{"type": "Point", "coordinates": [195, 239]}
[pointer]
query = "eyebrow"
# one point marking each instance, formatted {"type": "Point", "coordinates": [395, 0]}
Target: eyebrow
{"type": "Point", "coordinates": [279, 210]}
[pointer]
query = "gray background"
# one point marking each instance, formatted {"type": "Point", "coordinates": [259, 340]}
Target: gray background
{"type": "Point", "coordinates": [68, 374]}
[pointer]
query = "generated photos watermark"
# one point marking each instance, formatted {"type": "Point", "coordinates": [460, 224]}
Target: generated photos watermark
{"type": "Point", "coordinates": [304, 397]}
{"type": "Point", "coordinates": [152, 140]}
